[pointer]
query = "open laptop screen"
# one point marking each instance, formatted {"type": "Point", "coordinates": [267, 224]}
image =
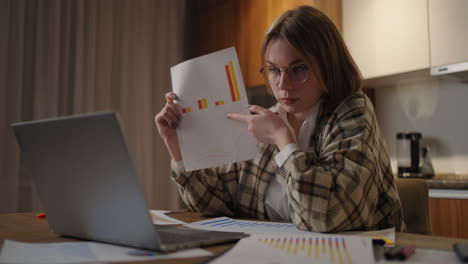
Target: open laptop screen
{"type": "Point", "coordinates": [85, 178]}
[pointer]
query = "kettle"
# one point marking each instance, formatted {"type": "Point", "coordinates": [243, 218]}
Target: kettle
{"type": "Point", "coordinates": [413, 161]}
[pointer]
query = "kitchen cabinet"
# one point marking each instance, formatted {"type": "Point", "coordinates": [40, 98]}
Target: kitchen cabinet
{"type": "Point", "coordinates": [448, 217]}
{"type": "Point", "coordinates": [448, 25]}
{"type": "Point", "coordinates": [217, 24]}
{"type": "Point", "coordinates": [387, 37]}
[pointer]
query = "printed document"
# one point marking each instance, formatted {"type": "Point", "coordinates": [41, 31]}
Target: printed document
{"type": "Point", "coordinates": [311, 248]}
{"type": "Point", "coordinates": [80, 252]}
{"type": "Point", "coordinates": [208, 88]}
{"type": "Point", "coordinates": [159, 217]}
{"type": "Point", "coordinates": [227, 224]}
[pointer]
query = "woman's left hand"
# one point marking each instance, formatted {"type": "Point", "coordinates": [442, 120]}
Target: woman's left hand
{"type": "Point", "coordinates": [266, 126]}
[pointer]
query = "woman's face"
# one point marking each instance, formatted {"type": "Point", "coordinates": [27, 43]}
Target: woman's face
{"type": "Point", "coordinates": [293, 95]}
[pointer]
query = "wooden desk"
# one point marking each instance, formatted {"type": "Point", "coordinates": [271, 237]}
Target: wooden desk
{"type": "Point", "coordinates": [26, 227]}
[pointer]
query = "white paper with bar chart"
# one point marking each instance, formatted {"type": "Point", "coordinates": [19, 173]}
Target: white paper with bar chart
{"type": "Point", "coordinates": [210, 87]}
{"type": "Point", "coordinates": [313, 248]}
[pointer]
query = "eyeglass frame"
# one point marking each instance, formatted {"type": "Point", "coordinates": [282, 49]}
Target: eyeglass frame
{"type": "Point", "coordinates": [285, 70]}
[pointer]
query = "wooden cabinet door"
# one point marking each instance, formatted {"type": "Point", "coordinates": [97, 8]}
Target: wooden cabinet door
{"type": "Point", "coordinates": [387, 37]}
{"type": "Point", "coordinates": [448, 23]}
{"type": "Point", "coordinates": [449, 217]}
{"type": "Point", "coordinates": [218, 24]}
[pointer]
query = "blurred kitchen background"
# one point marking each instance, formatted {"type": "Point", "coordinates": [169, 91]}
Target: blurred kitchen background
{"type": "Point", "coordinates": [61, 57]}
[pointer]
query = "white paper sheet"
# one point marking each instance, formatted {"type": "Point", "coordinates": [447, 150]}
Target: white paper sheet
{"type": "Point", "coordinates": [249, 227]}
{"type": "Point", "coordinates": [318, 248]}
{"type": "Point", "coordinates": [79, 252]}
{"type": "Point", "coordinates": [210, 87]}
{"type": "Point", "coordinates": [159, 217]}
{"type": "Point", "coordinates": [386, 234]}
{"type": "Point", "coordinates": [265, 227]}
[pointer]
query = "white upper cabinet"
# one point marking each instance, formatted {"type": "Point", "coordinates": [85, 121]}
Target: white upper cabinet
{"type": "Point", "coordinates": [387, 37]}
{"type": "Point", "coordinates": [448, 24]}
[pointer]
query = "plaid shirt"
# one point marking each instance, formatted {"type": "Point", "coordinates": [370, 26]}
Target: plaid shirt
{"type": "Point", "coordinates": [345, 183]}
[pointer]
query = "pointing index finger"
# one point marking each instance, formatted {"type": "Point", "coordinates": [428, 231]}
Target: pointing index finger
{"type": "Point", "coordinates": [258, 109]}
{"type": "Point", "coordinates": [239, 117]}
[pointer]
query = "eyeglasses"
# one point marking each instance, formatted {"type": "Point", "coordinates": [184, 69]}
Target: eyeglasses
{"type": "Point", "coordinates": [297, 73]}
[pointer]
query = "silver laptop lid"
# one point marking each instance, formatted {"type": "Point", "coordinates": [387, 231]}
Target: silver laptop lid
{"type": "Point", "coordinates": [85, 179]}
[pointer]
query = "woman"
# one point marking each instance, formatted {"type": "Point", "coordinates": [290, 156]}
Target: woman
{"type": "Point", "coordinates": [322, 161]}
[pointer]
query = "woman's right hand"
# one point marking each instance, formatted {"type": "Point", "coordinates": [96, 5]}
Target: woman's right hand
{"type": "Point", "coordinates": [167, 121]}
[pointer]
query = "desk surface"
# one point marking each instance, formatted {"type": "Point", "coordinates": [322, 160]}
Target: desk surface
{"type": "Point", "coordinates": [26, 227]}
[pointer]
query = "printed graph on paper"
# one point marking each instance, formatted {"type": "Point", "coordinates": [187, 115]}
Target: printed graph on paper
{"type": "Point", "coordinates": [311, 248]}
{"type": "Point", "coordinates": [208, 89]}
{"type": "Point", "coordinates": [232, 93]}
{"type": "Point", "coordinates": [331, 248]}
{"type": "Point", "coordinates": [250, 227]}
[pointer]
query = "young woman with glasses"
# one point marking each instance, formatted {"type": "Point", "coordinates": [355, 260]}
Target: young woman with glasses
{"type": "Point", "coordinates": [322, 161]}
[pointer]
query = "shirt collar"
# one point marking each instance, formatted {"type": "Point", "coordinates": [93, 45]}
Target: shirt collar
{"type": "Point", "coordinates": [311, 114]}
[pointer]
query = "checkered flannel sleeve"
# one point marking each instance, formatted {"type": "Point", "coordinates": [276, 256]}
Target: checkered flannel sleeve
{"type": "Point", "coordinates": [209, 192]}
{"type": "Point", "coordinates": [342, 188]}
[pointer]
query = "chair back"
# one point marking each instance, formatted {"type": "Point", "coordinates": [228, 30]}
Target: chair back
{"type": "Point", "coordinates": [414, 196]}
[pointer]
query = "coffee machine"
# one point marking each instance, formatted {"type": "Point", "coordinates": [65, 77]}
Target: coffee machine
{"type": "Point", "coordinates": [413, 161]}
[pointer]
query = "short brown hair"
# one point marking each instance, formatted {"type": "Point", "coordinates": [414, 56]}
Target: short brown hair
{"type": "Point", "coordinates": [314, 35]}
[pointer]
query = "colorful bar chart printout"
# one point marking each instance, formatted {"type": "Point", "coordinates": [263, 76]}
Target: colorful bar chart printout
{"type": "Point", "coordinates": [298, 249]}
{"type": "Point", "coordinates": [213, 87]}
{"type": "Point", "coordinates": [186, 110]}
{"type": "Point", "coordinates": [232, 80]}
{"type": "Point", "coordinates": [202, 104]}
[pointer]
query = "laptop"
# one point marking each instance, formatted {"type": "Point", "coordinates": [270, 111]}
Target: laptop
{"type": "Point", "coordinates": [89, 188]}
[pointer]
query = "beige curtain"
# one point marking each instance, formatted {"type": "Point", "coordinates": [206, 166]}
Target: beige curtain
{"type": "Point", "coordinates": [62, 57]}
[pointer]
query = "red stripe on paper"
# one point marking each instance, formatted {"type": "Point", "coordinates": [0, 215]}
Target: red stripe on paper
{"type": "Point", "coordinates": [231, 87]}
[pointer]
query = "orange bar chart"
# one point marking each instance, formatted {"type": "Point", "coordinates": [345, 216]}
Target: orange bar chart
{"type": "Point", "coordinates": [186, 110]}
{"type": "Point", "coordinates": [331, 251]}
{"type": "Point", "coordinates": [202, 104]}
{"type": "Point", "coordinates": [232, 80]}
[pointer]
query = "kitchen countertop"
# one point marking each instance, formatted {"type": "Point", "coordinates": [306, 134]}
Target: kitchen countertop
{"type": "Point", "coordinates": [448, 181]}
{"type": "Point", "coordinates": [448, 186]}
{"type": "Point", "coordinates": [451, 181]}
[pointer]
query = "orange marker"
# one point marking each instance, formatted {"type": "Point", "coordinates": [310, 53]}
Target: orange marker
{"type": "Point", "coordinates": [41, 215]}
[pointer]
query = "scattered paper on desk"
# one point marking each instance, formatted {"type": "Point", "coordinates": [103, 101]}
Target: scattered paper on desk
{"type": "Point", "coordinates": [312, 248]}
{"type": "Point", "coordinates": [249, 227]}
{"type": "Point", "coordinates": [159, 217]}
{"type": "Point", "coordinates": [79, 252]}
{"type": "Point", "coordinates": [266, 227]}
{"type": "Point", "coordinates": [388, 235]}
{"type": "Point", "coordinates": [428, 256]}
{"type": "Point", "coordinates": [209, 87]}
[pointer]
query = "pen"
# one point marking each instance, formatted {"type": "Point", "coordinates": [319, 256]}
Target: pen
{"type": "Point", "coordinates": [400, 252]}
{"type": "Point", "coordinates": [378, 242]}
{"type": "Point", "coordinates": [42, 215]}
{"type": "Point", "coordinates": [385, 239]}
{"type": "Point", "coordinates": [406, 252]}
{"type": "Point", "coordinates": [393, 252]}
{"type": "Point", "coordinates": [378, 248]}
